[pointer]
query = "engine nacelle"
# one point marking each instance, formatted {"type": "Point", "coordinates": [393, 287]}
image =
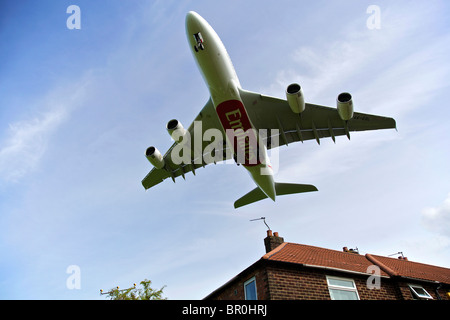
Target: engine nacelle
{"type": "Point", "coordinates": [295, 99]}
{"type": "Point", "coordinates": [154, 156]}
{"type": "Point", "coordinates": [176, 130]}
{"type": "Point", "coordinates": [345, 106]}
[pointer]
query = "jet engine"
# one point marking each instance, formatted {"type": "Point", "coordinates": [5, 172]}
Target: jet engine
{"type": "Point", "coordinates": [154, 156]}
{"type": "Point", "coordinates": [176, 130]}
{"type": "Point", "coordinates": [295, 99]}
{"type": "Point", "coordinates": [345, 106]}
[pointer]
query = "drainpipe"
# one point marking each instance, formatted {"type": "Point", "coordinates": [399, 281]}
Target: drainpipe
{"type": "Point", "coordinates": [437, 291]}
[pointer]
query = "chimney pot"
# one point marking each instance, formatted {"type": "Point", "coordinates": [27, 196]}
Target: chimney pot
{"type": "Point", "coordinates": [272, 241]}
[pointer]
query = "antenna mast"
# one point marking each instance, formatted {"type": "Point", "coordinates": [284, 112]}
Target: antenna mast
{"type": "Point", "coordinates": [397, 253]}
{"type": "Point", "coordinates": [264, 219]}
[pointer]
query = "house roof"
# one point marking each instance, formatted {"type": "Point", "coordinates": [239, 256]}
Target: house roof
{"type": "Point", "coordinates": [411, 269]}
{"type": "Point", "coordinates": [346, 261]}
{"type": "Point", "coordinates": [320, 257]}
{"type": "Point", "coordinates": [316, 257]}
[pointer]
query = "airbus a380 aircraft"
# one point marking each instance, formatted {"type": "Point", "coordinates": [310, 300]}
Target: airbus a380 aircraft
{"type": "Point", "coordinates": [236, 123]}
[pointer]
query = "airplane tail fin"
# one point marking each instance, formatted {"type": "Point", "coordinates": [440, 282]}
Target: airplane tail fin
{"type": "Point", "coordinates": [280, 188]}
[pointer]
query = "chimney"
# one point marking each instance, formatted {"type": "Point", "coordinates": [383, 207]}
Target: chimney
{"type": "Point", "coordinates": [272, 241]}
{"type": "Point", "coordinates": [345, 249]}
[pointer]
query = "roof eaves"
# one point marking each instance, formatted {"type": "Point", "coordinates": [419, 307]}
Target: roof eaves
{"type": "Point", "coordinates": [342, 270]}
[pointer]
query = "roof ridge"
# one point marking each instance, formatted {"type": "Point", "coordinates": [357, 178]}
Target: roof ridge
{"type": "Point", "coordinates": [326, 249]}
{"type": "Point", "coordinates": [274, 251]}
{"type": "Point", "coordinates": [377, 262]}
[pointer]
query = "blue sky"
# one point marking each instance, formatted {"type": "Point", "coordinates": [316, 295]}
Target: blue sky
{"type": "Point", "coordinates": [78, 108]}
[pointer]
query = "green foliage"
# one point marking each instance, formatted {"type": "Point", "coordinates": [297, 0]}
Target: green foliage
{"type": "Point", "coordinates": [134, 293]}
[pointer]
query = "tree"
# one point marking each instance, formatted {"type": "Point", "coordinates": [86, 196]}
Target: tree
{"type": "Point", "coordinates": [133, 293]}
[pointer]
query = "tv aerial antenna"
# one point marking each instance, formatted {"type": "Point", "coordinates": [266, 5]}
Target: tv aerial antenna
{"type": "Point", "coordinates": [263, 219]}
{"type": "Point", "coordinates": [396, 254]}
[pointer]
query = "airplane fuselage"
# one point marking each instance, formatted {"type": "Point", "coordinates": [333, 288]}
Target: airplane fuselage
{"type": "Point", "coordinates": [225, 121]}
{"type": "Point", "coordinates": [220, 76]}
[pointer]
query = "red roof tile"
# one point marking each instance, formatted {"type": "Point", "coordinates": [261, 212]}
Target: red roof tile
{"type": "Point", "coordinates": [411, 269]}
{"type": "Point", "coordinates": [319, 257]}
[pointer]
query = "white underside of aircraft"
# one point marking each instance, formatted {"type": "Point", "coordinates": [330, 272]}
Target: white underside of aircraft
{"type": "Point", "coordinates": [242, 125]}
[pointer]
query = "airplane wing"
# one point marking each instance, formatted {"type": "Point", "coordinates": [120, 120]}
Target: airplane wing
{"type": "Point", "coordinates": [209, 120]}
{"type": "Point", "coordinates": [315, 122]}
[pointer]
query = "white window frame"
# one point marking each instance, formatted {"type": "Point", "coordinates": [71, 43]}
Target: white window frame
{"type": "Point", "coordinates": [342, 288]}
{"type": "Point", "coordinates": [419, 295]}
{"type": "Point", "coordinates": [252, 279]}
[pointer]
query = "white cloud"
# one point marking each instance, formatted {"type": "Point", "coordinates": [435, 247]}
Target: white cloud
{"type": "Point", "coordinates": [387, 70]}
{"type": "Point", "coordinates": [437, 219]}
{"type": "Point", "coordinates": [27, 140]}
{"type": "Point", "coordinates": [26, 144]}
{"type": "Point", "coordinates": [331, 64]}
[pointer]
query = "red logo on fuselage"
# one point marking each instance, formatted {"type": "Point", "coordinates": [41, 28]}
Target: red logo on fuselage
{"type": "Point", "coordinates": [240, 133]}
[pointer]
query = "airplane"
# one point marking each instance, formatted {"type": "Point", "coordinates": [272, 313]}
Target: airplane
{"type": "Point", "coordinates": [236, 117]}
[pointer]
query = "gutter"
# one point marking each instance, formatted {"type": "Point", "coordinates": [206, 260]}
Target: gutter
{"type": "Point", "coordinates": [342, 270]}
{"type": "Point", "coordinates": [437, 291]}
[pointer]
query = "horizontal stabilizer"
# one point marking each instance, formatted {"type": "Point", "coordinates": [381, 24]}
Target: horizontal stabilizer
{"type": "Point", "coordinates": [280, 188]}
{"type": "Point", "coordinates": [253, 196]}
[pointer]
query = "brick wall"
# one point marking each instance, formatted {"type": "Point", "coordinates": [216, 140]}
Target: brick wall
{"type": "Point", "coordinates": [406, 294]}
{"type": "Point", "coordinates": [295, 284]}
{"type": "Point", "coordinates": [311, 284]}
{"type": "Point", "coordinates": [281, 281]}
{"type": "Point", "coordinates": [387, 290]}
{"type": "Point", "coordinates": [235, 289]}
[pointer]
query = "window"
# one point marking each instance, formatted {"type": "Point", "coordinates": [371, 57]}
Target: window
{"type": "Point", "coordinates": [342, 289]}
{"type": "Point", "coordinates": [419, 292]}
{"type": "Point", "coordinates": [250, 289]}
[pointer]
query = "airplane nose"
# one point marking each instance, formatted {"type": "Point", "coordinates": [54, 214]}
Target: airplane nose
{"type": "Point", "coordinates": [191, 17]}
{"type": "Point", "coordinates": [191, 13]}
